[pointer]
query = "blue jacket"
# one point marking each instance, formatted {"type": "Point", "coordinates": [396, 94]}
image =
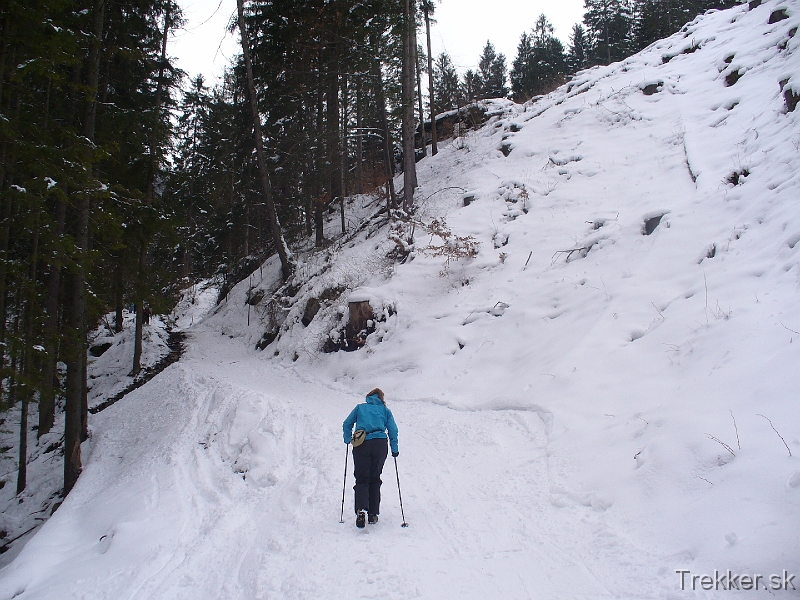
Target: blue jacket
{"type": "Point", "coordinates": [374, 418]}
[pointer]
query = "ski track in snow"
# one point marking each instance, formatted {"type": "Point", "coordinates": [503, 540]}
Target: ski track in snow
{"type": "Point", "coordinates": [555, 404]}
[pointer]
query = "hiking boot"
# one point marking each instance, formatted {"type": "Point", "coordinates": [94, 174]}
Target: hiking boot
{"type": "Point", "coordinates": [373, 519]}
{"type": "Point", "coordinates": [361, 517]}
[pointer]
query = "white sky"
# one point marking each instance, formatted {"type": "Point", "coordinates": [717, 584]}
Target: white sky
{"type": "Point", "coordinates": [462, 28]}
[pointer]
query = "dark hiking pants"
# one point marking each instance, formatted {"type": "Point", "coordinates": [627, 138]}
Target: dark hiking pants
{"type": "Point", "coordinates": [368, 459]}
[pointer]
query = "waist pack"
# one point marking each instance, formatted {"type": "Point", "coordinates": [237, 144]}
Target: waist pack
{"type": "Point", "coordinates": [359, 435]}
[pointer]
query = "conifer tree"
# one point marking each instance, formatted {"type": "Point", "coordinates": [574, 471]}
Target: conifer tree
{"type": "Point", "coordinates": [71, 165]}
{"type": "Point", "coordinates": [471, 86]}
{"type": "Point", "coordinates": [190, 173]}
{"type": "Point", "coordinates": [522, 81]}
{"type": "Point", "coordinates": [86, 97]}
{"type": "Point", "coordinates": [445, 82]}
{"type": "Point", "coordinates": [610, 25]}
{"type": "Point", "coordinates": [579, 49]}
{"type": "Point", "coordinates": [275, 226]}
{"type": "Point", "coordinates": [492, 73]}
{"type": "Point", "coordinates": [154, 157]}
{"type": "Point", "coordinates": [540, 65]}
{"type": "Point", "coordinates": [76, 323]}
{"type": "Point", "coordinates": [657, 19]}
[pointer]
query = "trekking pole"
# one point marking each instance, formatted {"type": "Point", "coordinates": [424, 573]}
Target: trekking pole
{"type": "Point", "coordinates": [344, 481]}
{"type": "Point", "coordinates": [397, 473]}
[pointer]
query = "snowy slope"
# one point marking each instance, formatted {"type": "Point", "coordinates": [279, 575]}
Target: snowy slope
{"type": "Point", "coordinates": [556, 395]}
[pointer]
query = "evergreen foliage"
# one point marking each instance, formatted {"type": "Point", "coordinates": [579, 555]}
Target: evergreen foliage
{"type": "Point", "coordinates": [492, 74]}
{"type": "Point", "coordinates": [541, 63]}
{"type": "Point", "coordinates": [609, 24]}
{"type": "Point", "coordinates": [579, 49]}
{"type": "Point", "coordinates": [80, 131]}
{"type": "Point", "coordinates": [446, 83]}
{"type": "Point", "coordinates": [657, 19]}
{"type": "Point", "coordinates": [96, 178]}
{"type": "Point", "coordinates": [471, 87]}
{"type": "Point", "coordinates": [611, 30]}
{"type": "Point", "coordinates": [116, 185]}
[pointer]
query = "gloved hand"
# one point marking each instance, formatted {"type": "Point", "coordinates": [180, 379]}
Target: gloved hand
{"type": "Point", "coordinates": [395, 454]}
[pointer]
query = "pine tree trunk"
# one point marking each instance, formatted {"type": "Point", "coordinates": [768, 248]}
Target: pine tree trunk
{"type": "Point", "coordinates": [388, 159]}
{"type": "Point", "coordinates": [76, 322]}
{"type": "Point", "coordinates": [246, 236]}
{"type": "Point", "coordinates": [187, 259]}
{"type": "Point", "coordinates": [359, 141]}
{"type": "Point", "coordinates": [319, 221]}
{"type": "Point", "coordinates": [423, 142]}
{"type": "Point", "coordinates": [409, 67]}
{"type": "Point", "coordinates": [6, 34]}
{"type": "Point", "coordinates": [332, 124]}
{"type": "Point", "coordinates": [76, 331]}
{"type": "Point", "coordinates": [47, 400]}
{"type": "Point", "coordinates": [119, 300]}
{"type": "Point", "coordinates": [85, 381]}
{"type": "Point", "coordinates": [22, 471]}
{"type": "Point", "coordinates": [27, 360]}
{"type": "Point", "coordinates": [277, 234]}
{"type": "Point", "coordinates": [148, 200]}
{"type": "Point", "coordinates": [7, 206]}
{"type": "Point", "coordinates": [13, 355]}
{"type": "Point", "coordinates": [434, 133]}
{"type": "Point", "coordinates": [308, 200]}
{"type": "Point", "coordinates": [47, 393]}
{"type": "Point", "coordinates": [6, 210]}
{"type": "Point", "coordinates": [343, 166]}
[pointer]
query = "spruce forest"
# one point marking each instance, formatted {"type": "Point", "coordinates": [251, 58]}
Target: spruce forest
{"type": "Point", "coordinates": [122, 180]}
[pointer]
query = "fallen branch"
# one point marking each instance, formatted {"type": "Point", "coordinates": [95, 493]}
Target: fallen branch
{"type": "Point", "coordinates": [658, 311]}
{"type": "Point", "coordinates": [738, 443]}
{"type": "Point", "coordinates": [724, 445]}
{"type": "Point", "coordinates": [787, 329]}
{"type": "Point", "coordinates": [527, 261]}
{"type": "Point", "coordinates": [569, 253]}
{"type": "Point", "coordinates": [453, 187]}
{"type": "Point", "coordinates": [776, 431]}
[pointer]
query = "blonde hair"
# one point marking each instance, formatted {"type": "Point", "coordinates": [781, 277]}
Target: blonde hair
{"type": "Point", "coordinates": [377, 392]}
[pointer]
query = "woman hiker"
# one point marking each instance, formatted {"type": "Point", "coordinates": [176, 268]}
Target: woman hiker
{"type": "Point", "coordinates": [375, 420]}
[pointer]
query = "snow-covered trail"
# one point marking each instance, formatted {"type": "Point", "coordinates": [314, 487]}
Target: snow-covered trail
{"type": "Point", "coordinates": [477, 495]}
{"type": "Point", "coordinates": [238, 474]}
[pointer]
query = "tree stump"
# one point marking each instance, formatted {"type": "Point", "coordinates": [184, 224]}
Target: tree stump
{"type": "Point", "coordinates": [360, 314]}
